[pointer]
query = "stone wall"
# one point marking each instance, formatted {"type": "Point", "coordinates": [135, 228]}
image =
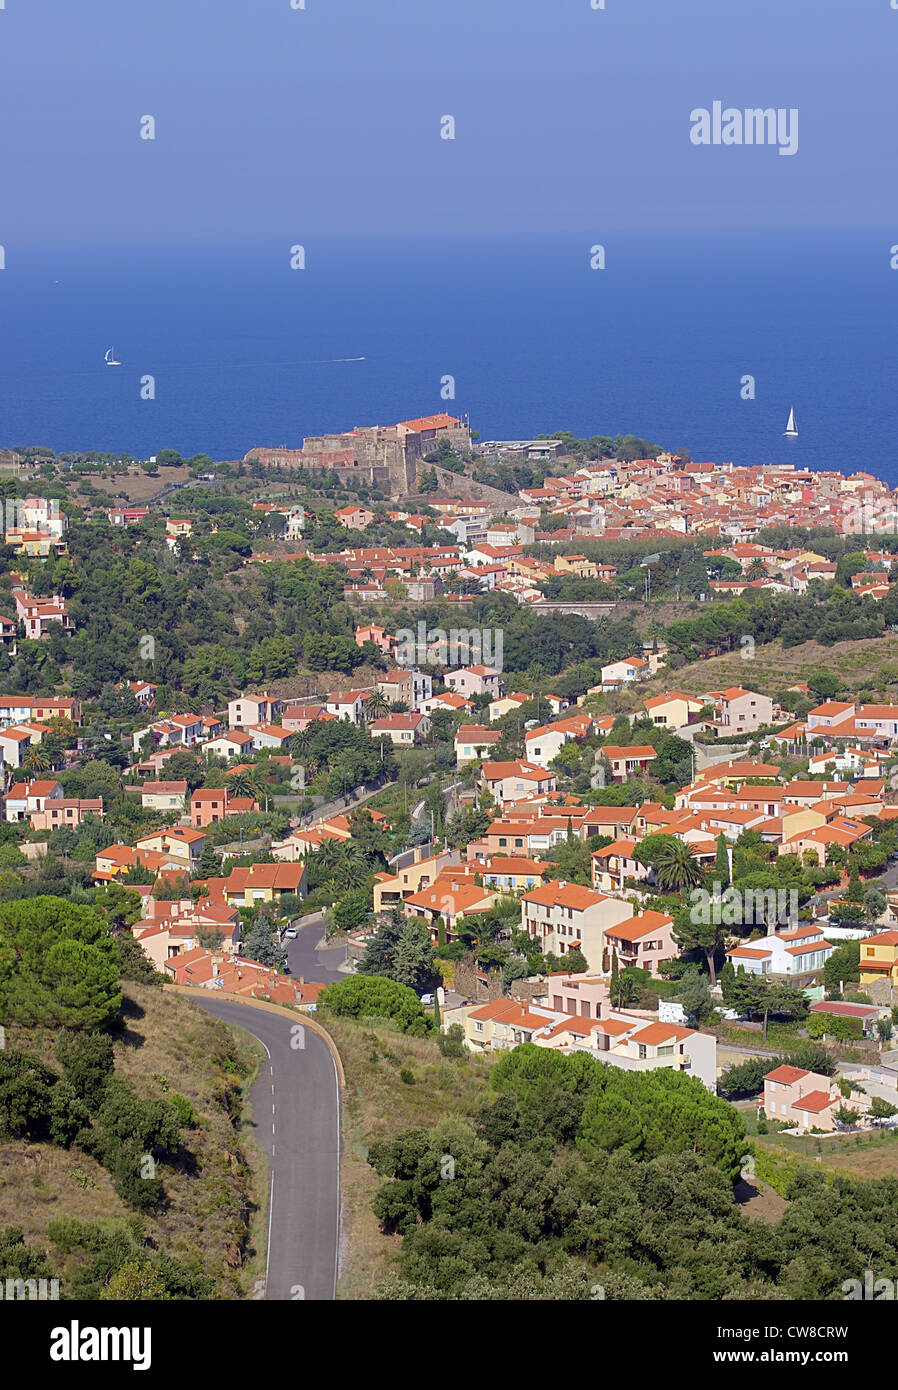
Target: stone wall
{"type": "Point", "coordinates": [469, 982]}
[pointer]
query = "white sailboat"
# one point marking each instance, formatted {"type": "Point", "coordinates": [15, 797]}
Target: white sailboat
{"type": "Point", "coordinates": [791, 430]}
{"type": "Point", "coordinates": [111, 360]}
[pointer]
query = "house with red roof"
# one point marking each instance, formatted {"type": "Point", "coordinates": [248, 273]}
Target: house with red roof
{"type": "Point", "coordinates": [611, 1036]}
{"type": "Point", "coordinates": [509, 781]}
{"type": "Point", "coordinates": [805, 1099]}
{"type": "Point", "coordinates": [210, 805]}
{"type": "Point", "coordinates": [737, 709]}
{"type": "Point", "coordinates": [802, 951]}
{"type": "Point", "coordinates": [643, 941]}
{"type": "Point", "coordinates": [628, 762]}
{"type": "Point", "coordinates": [401, 729]}
{"type": "Point", "coordinates": [564, 917]}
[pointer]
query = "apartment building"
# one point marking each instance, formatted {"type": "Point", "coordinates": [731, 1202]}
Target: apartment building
{"type": "Point", "coordinates": [737, 709]}
{"type": "Point", "coordinates": [564, 917]}
{"type": "Point", "coordinates": [247, 710]}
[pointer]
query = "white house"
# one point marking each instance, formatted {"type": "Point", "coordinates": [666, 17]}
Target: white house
{"type": "Point", "coordinates": [797, 952]}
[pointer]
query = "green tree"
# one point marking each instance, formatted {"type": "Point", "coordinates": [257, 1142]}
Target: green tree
{"type": "Point", "coordinates": [673, 861]}
{"type": "Point", "coordinates": [87, 1064]}
{"type": "Point", "coordinates": [695, 996]}
{"type": "Point", "coordinates": [261, 944]}
{"type": "Point", "coordinates": [209, 863]}
{"type": "Point", "coordinates": [842, 967]}
{"type": "Point", "coordinates": [58, 965]}
{"type": "Point", "coordinates": [721, 862]}
{"type": "Point", "coordinates": [414, 960]}
{"type": "Point", "coordinates": [698, 928]}
{"type": "Point", "coordinates": [366, 996]}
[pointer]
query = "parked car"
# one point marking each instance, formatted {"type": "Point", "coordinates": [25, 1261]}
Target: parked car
{"type": "Point", "coordinates": [290, 933]}
{"type": "Point", "coordinates": [426, 998]}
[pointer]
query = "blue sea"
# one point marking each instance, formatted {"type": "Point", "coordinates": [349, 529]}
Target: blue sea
{"type": "Point", "coordinates": [245, 351]}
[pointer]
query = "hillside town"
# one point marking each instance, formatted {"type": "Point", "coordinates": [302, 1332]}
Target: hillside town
{"type": "Point", "coordinates": [526, 750]}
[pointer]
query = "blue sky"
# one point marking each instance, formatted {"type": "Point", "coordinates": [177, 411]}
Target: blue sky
{"type": "Point", "coordinates": [278, 122]}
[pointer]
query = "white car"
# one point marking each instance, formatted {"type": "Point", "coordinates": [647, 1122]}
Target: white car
{"type": "Point", "coordinates": [290, 933]}
{"type": "Point", "coordinates": [426, 998]}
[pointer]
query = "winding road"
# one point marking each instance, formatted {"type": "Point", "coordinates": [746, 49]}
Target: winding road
{"type": "Point", "coordinates": [296, 1120]}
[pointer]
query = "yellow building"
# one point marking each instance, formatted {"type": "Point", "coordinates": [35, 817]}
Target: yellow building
{"type": "Point", "coordinates": [879, 957]}
{"type": "Point", "coordinates": [673, 709]}
{"type": "Point", "coordinates": [390, 889]}
{"type": "Point", "coordinates": [182, 843]}
{"type": "Point", "coordinates": [576, 564]}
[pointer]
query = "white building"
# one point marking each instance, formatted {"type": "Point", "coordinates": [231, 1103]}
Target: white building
{"type": "Point", "coordinates": [797, 952]}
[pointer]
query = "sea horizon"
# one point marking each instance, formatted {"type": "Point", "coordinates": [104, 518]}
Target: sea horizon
{"type": "Point", "coordinates": [245, 351]}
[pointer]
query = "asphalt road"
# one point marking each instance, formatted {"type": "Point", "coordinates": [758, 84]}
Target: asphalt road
{"type": "Point", "coordinates": [308, 963]}
{"type": "Point", "coordinates": [296, 1120]}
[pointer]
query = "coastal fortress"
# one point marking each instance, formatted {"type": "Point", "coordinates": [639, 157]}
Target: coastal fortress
{"type": "Point", "coordinates": [388, 454]}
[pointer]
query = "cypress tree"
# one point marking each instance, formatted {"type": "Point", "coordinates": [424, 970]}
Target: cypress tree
{"type": "Point", "coordinates": [722, 863]}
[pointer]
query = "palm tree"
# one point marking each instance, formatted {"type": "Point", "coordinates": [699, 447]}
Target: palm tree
{"type": "Point", "coordinates": [378, 704]}
{"type": "Point", "coordinates": [329, 856]}
{"type": "Point", "coordinates": [300, 743]}
{"type": "Point", "coordinates": [36, 760]}
{"type": "Point", "coordinates": [244, 784]}
{"type": "Point", "coordinates": [676, 866]}
{"type": "Point", "coordinates": [352, 875]}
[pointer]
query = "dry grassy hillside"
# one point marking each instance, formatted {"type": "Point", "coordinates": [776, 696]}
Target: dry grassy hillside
{"type": "Point", "coordinates": [168, 1045]}
{"type": "Point", "coordinates": [871, 662]}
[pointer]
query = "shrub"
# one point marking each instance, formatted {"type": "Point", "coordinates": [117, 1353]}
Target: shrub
{"type": "Point", "coordinates": [183, 1108]}
{"type": "Point", "coordinates": [374, 996]}
{"type": "Point", "coordinates": [452, 1042]}
{"type": "Point", "coordinates": [834, 1026]}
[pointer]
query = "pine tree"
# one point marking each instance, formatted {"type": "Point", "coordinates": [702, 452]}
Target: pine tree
{"type": "Point", "coordinates": [380, 953]}
{"type": "Point", "coordinates": [209, 865]}
{"type": "Point", "coordinates": [414, 964]}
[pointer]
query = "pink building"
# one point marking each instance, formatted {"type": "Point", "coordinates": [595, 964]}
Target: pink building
{"type": "Point", "coordinates": [68, 811]}
{"type": "Point", "coordinates": [801, 1098]}
{"type": "Point", "coordinates": [209, 805]}
{"type": "Point", "coordinates": [643, 941]}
